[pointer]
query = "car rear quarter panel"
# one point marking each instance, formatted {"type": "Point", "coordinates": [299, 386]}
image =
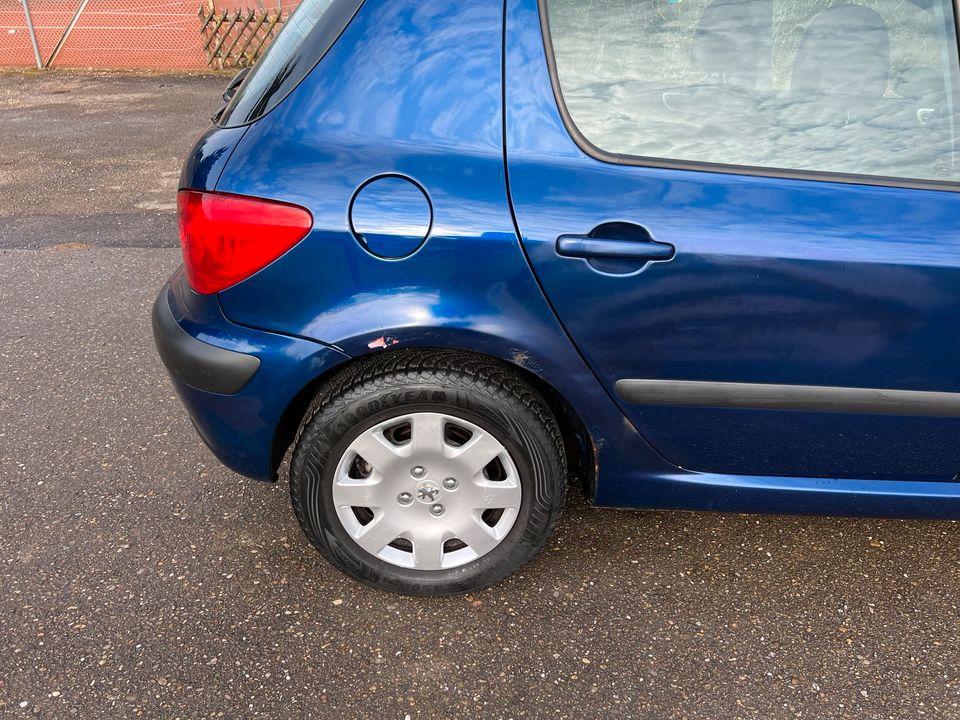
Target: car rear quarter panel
{"type": "Point", "coordinates": [387, 100]}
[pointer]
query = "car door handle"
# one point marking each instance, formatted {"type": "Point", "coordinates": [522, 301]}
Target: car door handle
{"type": "Point", "coordinates": [585, 246]}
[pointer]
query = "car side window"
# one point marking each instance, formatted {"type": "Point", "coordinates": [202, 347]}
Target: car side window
{"type": "Point", "coordinates": [866, 89]}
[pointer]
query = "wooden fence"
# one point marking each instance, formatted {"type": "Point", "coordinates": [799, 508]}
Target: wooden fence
{"type": "Point", "coordinates": [236, 38]}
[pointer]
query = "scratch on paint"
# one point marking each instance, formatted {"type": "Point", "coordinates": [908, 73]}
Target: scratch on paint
{"type": "Point", "coordinates": [382, 342]}
{"type": "Point", "coordinates": [520, 357]}
{"type": "Point", "coordinates": [597, 447]}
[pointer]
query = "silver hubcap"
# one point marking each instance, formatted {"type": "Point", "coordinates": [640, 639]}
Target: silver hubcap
{"type": "Point", "coordinates": [427, 491]}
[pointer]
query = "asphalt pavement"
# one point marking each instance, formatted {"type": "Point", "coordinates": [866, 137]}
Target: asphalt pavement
{"type": "Point", "coordinates": [139, 578]}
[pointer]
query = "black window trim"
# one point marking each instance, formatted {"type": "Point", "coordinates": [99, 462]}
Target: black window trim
{"type": "Point", "coordinates": [642, 161]}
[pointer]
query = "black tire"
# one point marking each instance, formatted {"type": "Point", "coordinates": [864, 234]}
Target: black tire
{"type": "Point", "coordinates": [482, 391]}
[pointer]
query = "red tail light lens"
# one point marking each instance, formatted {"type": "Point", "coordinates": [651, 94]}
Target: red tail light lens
{"type": "Point", "coordinates": [227, 238]}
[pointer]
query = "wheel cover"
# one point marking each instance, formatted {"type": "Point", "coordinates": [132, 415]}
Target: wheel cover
{"type": "Point", "coordinates": [427, 491]}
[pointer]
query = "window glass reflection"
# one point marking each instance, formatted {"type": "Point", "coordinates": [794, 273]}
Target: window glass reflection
{"type": "Point", "coordinates": [866, 89]}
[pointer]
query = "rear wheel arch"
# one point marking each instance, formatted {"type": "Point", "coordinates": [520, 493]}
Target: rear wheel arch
{"type": "Point", "coordinates": [578, 444]}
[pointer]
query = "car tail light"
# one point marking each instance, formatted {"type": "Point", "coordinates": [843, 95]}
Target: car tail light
{"type": "Point", "coordinates": [227, 238]}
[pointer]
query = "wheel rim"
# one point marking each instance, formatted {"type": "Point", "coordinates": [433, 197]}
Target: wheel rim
{"type": "Point", "coordinates": [427, 491]}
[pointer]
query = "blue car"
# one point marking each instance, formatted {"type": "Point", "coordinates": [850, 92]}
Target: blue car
{"type": "Point", "coordinates": [697, 255]}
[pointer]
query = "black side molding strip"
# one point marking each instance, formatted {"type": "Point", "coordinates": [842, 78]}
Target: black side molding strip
{"type": "Point", "coordinates": [810, 398]}
{"type": "Point", "coordinates": [194, 362]}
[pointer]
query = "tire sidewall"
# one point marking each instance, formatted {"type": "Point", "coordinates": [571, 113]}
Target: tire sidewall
{"type": "Point", "coordinates": [329, 433]}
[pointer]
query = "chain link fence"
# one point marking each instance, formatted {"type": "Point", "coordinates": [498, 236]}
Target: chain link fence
{"type": "Point", "coordinates": [122, 34]}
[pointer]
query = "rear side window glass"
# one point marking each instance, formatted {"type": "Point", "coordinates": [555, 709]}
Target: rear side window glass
{"type": "Point", "coordinates": [824, 86]}
{"type": "Point", "coordinates": [307, 34]}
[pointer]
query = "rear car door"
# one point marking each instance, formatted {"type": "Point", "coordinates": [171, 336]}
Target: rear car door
{"type": "Point", "coordinates": [746, 215]}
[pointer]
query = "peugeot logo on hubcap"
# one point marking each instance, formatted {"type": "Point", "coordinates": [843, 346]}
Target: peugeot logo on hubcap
{"type": "Point", "coordinates": [428, 492]}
